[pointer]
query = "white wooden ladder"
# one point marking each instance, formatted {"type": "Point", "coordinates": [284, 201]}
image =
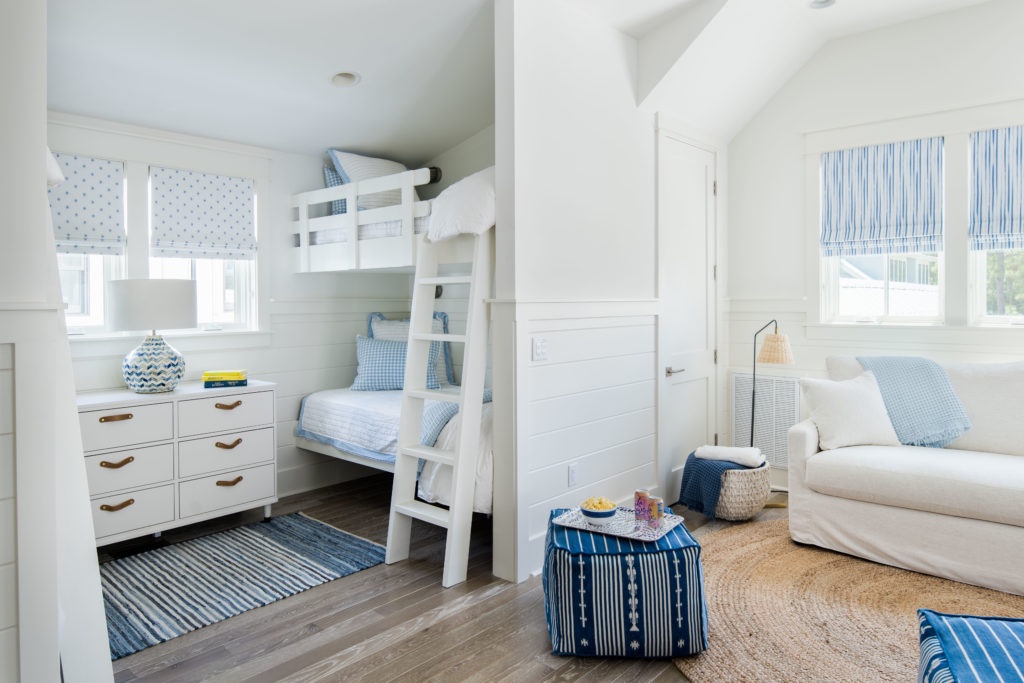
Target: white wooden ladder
{"type": "Point", "coordinates": [458, 518]}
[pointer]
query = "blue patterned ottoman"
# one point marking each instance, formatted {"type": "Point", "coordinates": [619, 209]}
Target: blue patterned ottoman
{"type": "Point", "coordinates": [606, 596]}
{"type": "Point", "coordinates": [957, 648]}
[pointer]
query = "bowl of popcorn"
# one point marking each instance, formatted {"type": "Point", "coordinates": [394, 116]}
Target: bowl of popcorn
{"type": "Point", "coordinates": [598, 510]}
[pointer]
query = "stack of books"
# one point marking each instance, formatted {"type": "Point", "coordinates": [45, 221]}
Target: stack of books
{"type": "Point", "coordinates": [224, 378]}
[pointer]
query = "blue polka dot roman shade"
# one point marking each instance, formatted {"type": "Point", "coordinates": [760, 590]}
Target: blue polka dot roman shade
{"type": "Point", "coordinates": [201, 215]}
{"type": "Point", "coordinates": [88, 208]}
{"type": "Point", "coordinates": [997, 189]}
{"type": "Point", "coordinates": [882, 199]}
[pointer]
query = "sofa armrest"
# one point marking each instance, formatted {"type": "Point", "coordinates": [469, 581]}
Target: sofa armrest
{"type": "Point", "coordinates": [802, 442]}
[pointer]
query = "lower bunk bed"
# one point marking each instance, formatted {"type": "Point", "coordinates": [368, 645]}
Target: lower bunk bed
{"type": "Point", "coordinates": [362, 427]}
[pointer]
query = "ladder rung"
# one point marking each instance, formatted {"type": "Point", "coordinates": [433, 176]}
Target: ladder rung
{"type": "Point", "coordinates": [458, 338]}
{"type": "Point", "coordinates": [438, 455]}
{"type": "Point", "coordinates": [423, 511]}
{"type": "Point", "coordinates": [432, 395]}
{"type": "Point", "coordinates": [445, 280]}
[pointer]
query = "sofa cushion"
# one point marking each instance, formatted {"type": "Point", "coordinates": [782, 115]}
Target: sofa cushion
{"type": "Point", "coordinates": [975, 485]}
{"type": "Point", "coordinates": [991, 393]}
{"type": "Point", "coordinates": [848, 413]}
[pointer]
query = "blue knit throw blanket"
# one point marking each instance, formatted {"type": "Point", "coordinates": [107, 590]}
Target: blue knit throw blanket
{"type": "Point", "coordinates": [702, 483]}
{"type": "Point", "coordinates": [920, 400]}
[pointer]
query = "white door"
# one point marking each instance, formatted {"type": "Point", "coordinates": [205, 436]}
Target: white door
{"type": "Point", "coordinates": [686, 290]}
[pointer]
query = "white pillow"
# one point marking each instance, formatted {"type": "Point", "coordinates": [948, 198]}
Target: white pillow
{"type": "Point", "coordinates": [354, 167]}
{"type": "Point", "coordinates": [849, 412]}
{"type": "Point", "coordinates": [464, 207]}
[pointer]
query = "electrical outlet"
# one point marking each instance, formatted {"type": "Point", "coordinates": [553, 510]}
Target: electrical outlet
{"type": "Point", "coordinates": [572, 475]}
{"type": "Point", "coordinates": [540, 348]}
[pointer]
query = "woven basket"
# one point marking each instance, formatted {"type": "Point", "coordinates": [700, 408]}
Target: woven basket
{"type": "Point", "coordinates": [743, 493]}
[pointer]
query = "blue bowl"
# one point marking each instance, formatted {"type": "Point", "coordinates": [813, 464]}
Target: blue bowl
{"type": "Point", "coordinates": [598, 517]}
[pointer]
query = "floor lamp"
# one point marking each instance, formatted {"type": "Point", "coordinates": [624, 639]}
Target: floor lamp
{"type": "Point", "coordinates": [775, 350]}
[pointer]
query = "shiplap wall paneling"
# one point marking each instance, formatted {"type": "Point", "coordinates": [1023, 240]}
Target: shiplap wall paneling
{"type": "Point", "coordinates": [590, 407]}
{"type": "Point", "coordinates": [8, 521]}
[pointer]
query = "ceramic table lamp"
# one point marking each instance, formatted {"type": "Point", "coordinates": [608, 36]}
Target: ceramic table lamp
{"type": "Point", "coordinates": [155, 366]}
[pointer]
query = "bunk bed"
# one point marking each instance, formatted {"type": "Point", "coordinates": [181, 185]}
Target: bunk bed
{"type": "Point", "coordinates": [412, 424]}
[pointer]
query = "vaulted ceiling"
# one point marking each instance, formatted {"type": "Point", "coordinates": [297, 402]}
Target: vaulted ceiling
{"type": "Point", "coordinates": [259, 71]}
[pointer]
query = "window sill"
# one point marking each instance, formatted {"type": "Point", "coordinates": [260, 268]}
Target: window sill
{"type": "Point", "coordinates": [108, 344]}
{"type": "Point", "coordinates": [897, 334]}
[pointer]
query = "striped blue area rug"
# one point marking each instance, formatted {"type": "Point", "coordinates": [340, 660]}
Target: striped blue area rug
{"type": "Point", "coordinates": [160, 594]}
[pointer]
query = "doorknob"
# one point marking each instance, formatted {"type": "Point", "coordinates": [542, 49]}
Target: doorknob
{"type": "Point", "coordinates": [669, 370]}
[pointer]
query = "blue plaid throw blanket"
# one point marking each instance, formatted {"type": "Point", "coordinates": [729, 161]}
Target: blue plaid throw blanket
{"type": "Point", "coordinates": [920, 400]}
{"type": "Point", "coordinates": [702, 483]}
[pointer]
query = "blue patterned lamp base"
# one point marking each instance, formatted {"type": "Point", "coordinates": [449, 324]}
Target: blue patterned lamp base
{"type": "Point", "coordinates": [155, 366]}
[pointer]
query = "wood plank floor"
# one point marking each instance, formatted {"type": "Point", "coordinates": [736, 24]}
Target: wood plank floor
{"type": "Point", "coordinates": [386, 623]}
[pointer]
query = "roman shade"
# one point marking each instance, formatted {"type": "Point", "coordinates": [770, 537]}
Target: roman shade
{"type": "Point", "coordinates": [201, 215]}
{"type": "Point", "coordinates": [88, 208]}
{"type": "Point", "coordinates": [997, 189]}
{"type": "Point", "coordinates": [882, 199]}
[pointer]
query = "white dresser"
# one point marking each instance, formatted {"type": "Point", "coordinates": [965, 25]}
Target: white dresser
{"type": "Point", "coordinates": [158, 461]}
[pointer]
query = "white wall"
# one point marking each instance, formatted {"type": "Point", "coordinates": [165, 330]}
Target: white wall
{"type": "Point", "coordinates": [966, 60]}
{"type": "Point", "coordinates": [473, 154]}
{"type": "Point", "coordinates": [576, 267]}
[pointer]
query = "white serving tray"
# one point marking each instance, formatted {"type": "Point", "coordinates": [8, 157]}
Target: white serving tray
{"type": "Point", "coordinates": [622, 524]}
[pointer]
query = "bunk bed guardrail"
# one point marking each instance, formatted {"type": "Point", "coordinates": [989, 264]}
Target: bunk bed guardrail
{"type": "Point", "coordinates": [360, 239]}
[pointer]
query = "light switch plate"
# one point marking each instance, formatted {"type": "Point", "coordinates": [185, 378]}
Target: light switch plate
{"type": "Point", "coordinates": [540, 348]}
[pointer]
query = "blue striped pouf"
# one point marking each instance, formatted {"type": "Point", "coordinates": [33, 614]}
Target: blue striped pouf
{"type": "Point", "coordinates": [606, 596]}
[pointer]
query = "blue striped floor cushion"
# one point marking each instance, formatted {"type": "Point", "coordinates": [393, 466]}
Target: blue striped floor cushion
{"type": "Point", "coordinates": [606, 596]}
{"type": "Point", "coordinates": [961, 648]}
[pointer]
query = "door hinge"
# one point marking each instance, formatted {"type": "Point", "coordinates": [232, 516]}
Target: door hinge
{"type": "Point", "coordinates": [714, 272]}
{"type": "Point", "coordinates": [714, 188]}
{"type": "Point", "coordinates": [716, 439]}
{"type": "Point", "coordinates": [716, 356]}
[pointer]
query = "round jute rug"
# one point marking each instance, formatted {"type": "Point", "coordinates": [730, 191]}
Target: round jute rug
{"type": "Point", "coordinates": [779, 611]}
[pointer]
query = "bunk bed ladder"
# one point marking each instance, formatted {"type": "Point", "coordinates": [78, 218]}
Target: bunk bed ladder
{"type": "Point", "coordinates": [458, 518]}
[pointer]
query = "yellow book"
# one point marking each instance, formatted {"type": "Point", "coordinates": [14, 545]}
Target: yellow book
{"type": "Point", "coordinates": [221, 375]}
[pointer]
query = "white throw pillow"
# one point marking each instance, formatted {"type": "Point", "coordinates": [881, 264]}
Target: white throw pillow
{"type": "Point", "coordinates": [465, 207]}
{"type": "Point", "coordinates": [849, 412]}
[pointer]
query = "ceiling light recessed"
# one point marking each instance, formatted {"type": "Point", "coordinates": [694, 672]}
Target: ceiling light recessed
{"type": "Point", "coordinates": [820, 4]}
{"type": "Point", "coordinates": [345, 79]}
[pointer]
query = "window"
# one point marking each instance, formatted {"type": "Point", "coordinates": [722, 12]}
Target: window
{"type": "Point", "coordinates": [204, 230]}
{"type": "Point", "coordinates": [201, 226]}
{"type": "Point", "coordinates": [996, 229]}
{"type": "Point", "coordinates": [882, 232]}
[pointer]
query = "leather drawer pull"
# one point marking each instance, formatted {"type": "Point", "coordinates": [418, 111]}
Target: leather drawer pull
{"type": "Point", "coordinates": [119, 506]}
{"type": "Point", "coordinates": [227, 406]}
{"type": "Point", "coordinates": [116, 418]}
{"type": "Point", "coordinates": [230, 483]}
{"type": "Point", "coordinates": [228, 446]}
{"type": "Point", "coordinates": [117, 465]}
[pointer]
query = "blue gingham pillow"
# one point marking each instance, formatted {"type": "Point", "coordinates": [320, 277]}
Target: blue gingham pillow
{"type": "Point", "coordinates": [382, 364]}
{"type": "Point", "coordinates": [379, 327]}
{"type": "Point", "coordinates": [332, 179]}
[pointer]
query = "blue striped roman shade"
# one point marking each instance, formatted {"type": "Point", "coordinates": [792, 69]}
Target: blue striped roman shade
{"type": "Point", "coordinates": [882, 199]}
{"type": "Point", "coordinates": [997, 189]}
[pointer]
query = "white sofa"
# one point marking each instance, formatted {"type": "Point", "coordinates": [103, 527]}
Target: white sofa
{"type": "Point", "coordinates": [955, 512]}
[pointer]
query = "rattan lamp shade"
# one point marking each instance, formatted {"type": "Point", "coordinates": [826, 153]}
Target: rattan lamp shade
{"type": "Point", "coordinates": [775, 349]}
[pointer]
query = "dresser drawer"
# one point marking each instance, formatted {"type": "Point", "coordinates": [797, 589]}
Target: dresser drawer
{"type": "Point", "coordinates": [147, 507]}
{"type": "Point", "coordinates": [118, 427]}
{"type": "Point", "coordinates": [225, 412]}
{"type": "Point", "coordinates": [225, 451]}
{"type": "Point", "coordinates": [128, 469]}
{"type": "Point", "coordinates": [226, 490]}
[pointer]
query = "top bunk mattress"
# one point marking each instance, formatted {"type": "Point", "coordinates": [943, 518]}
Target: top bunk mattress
{"type": "Point", "coordinates": [366, 232]}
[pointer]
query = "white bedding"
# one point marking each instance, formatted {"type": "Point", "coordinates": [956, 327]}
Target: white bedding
{"type": "Point", "coordinates": [366, 423]}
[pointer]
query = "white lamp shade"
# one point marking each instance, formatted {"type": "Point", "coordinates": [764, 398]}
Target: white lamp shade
{"type": "Point", "coordinates": [151, 304]}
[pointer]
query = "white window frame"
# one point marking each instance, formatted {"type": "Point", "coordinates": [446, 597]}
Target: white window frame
{"type": "Point", "coordinates": [960, 276]}
{"type": "Point", "coordinates": [141, 148]}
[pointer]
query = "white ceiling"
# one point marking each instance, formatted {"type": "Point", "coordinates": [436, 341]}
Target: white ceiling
{"type": "Point", "coordinates": [258, 71]}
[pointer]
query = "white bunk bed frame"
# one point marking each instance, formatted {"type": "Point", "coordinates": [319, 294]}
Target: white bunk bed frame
{"type": "Point", "coordinates": [360, 254]}
{"type": "Point", "coordinates": [402, 252]}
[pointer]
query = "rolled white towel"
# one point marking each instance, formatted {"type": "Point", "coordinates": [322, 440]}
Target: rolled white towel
{"type": "Point", "coordinates": [748, 456]}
